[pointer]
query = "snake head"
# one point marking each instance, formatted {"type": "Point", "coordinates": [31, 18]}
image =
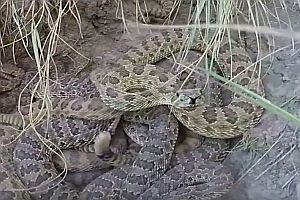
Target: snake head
{"type": "Point", "coordinates": [188, 98]}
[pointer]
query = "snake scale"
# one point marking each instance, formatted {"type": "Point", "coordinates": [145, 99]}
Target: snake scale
{"type": "Point", "coordinates": [114, 96]}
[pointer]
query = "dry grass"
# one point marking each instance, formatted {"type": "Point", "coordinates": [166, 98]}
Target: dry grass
{"type": "Point", "coordinates": [36, 26]}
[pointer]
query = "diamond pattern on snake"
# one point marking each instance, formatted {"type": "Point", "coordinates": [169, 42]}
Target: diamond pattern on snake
{"type": "Point", "coordinates": [152, 86]}
{"type": "Point", "coordinates": [33, 160]}
{"type": "Point", "coordinates": [154, 159]}
{"type": "Point", "coordinates": [9, 179]}
{"type": "Point", "coordinates": [133, 73]}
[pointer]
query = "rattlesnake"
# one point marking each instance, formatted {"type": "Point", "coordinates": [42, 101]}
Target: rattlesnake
{"type": "Point", "coordinates": [137, 85]}
{"type": "Point", "coordinates": [78, 104]}
{"type": "Point", "coordinates": [35, 169]}
{"type": "Point", "coordinates": [33, 160]}
{"type": "Point", "coordinates": [66, 188]}
{"type": "Point", "coordinates": [160, 135]}
{"type": "Point", "coordinates": [39, 172]}
{"type": "Point", "coordinates": [133, 73]}
{"type": "Point", "coordinates": [200, 176]}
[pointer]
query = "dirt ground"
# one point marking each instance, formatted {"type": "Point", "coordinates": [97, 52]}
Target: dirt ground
{"type": "Point", "coordinates": [270, 172]}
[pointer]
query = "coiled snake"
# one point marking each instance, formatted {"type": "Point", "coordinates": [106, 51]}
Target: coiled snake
{"type": "Point", "coordinates": [134, 73]}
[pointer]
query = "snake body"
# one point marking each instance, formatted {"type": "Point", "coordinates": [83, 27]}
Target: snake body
{"type": "Point", "coordinates": [33, 161]}
{"type": "Point", "coordinates": [137, 85]}
{"type": "Point", "coordinates": [130, 181]}
{"type": "Point", "coordinates": [158, 174]}
{"type": "Point", "coordinates": [150, 88]}
{"type": "Point", "coordinates": [193, 174]}
{"type": "Point", "coordinates": [11, 187]}
{"type": "Point", "coordinates": [155, 87]}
